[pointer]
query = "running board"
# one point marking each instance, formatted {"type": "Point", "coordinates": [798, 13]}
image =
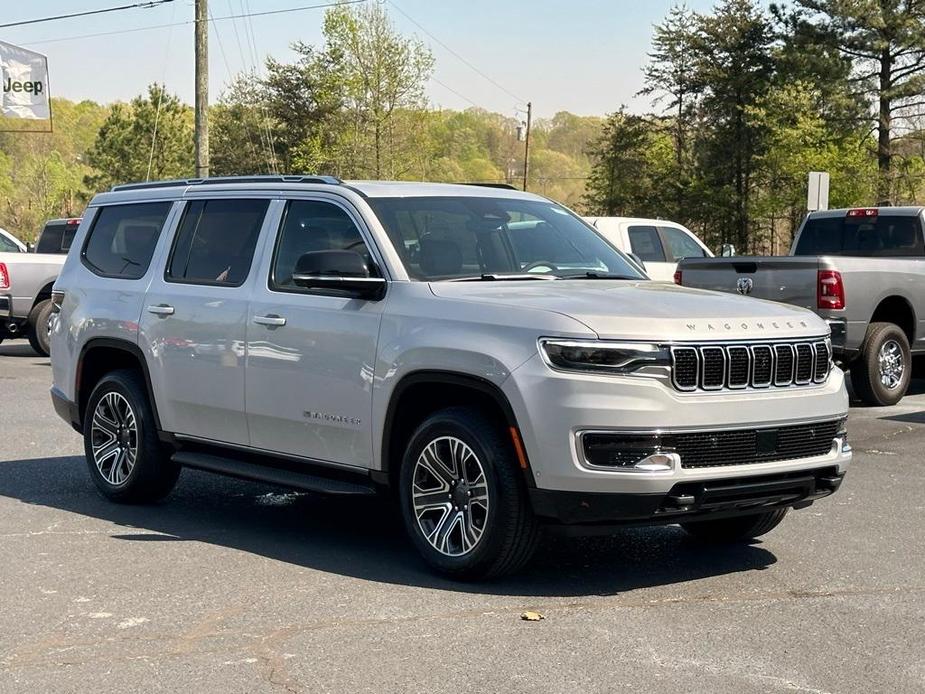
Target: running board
{"type": "Point", "coordinates": [284, 477]}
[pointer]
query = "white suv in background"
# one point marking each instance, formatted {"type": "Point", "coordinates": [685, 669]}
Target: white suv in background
{"type": "Point", "coordinates": [656, 242]}
{"type": "Point", "coordinates": [483, 353]}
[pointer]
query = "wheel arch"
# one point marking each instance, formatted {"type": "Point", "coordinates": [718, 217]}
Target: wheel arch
{"type": "Point", "coordinates": [100, 356]}
{"type": "Point", "coordinates": [898, 310]}
{"type": "Point", "coordinates": [420, 393]}
{"type": "Point", "coordinates": [43, 293]}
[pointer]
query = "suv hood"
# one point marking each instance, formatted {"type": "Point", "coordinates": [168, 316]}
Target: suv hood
{"type": "Point", "coordinates": [621, 310]}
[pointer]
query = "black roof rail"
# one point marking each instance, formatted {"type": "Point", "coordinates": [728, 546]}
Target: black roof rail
{"type": "Point", "coordinates": [298, 178]}
{"type": "Point", "coordinates": [503, 186]}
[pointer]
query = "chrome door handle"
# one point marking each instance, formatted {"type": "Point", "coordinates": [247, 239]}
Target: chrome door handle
{"type": "Point", "coordinates": [161, 310]}
{"type": "Point", "coordinates": [270, 319]}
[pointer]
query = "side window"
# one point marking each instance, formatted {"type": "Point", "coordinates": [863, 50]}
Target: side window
{"type": "Point", "coordinates": [645, 243]}
{"type": "Point", "coordinates": [7, 246]}
{"type": "Point", "coordinates": [312, 225]}
{"type": "Point", "coordinates": [123, 238]}
{"type": "Point", "coordinates": [680, 245]}
{"type": "Point", "coordinates": [216, 241]}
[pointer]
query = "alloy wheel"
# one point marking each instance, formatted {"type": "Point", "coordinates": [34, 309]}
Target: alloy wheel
{"type": "Point", "coordinates": [891, 364]}
{"type": "Point", "coordinates": [450, 496]}
{"type": "Point", "coordinates": [114, 437]}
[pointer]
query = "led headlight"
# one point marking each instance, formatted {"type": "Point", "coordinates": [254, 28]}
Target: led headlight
{"type": "Point", "coordinates": [599, 356]}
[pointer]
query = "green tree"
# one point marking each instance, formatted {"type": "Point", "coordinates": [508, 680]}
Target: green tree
{"type": "Point", "coordinates": [884, 40]}
{"type": "Point", "coordinates": [734, 68]}
{"type": "Point", "coordinates": [148, 139]}
{"type": "Point", "coordinates": [384, 73]}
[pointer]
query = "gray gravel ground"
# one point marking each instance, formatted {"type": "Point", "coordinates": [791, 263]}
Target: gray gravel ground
{"type": "Point", "coordinates": [235, 587]}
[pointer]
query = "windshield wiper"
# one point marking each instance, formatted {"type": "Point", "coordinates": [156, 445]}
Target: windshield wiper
{"type": "Point", "coordinates": [596, 276]}
{"type": "Point", "coordinates": [495, 277]}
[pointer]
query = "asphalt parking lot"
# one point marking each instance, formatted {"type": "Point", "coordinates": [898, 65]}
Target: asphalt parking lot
{"type": "Point", "coordinates": [230, 586]}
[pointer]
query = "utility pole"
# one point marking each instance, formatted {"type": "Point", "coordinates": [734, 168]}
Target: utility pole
{"type": "Point", "coordinates": [202, 88]}
{"type": "Point", "coordinates": [527, 144]}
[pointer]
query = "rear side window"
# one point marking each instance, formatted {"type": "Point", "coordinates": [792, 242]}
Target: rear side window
{"type": "Point", "coordinates": [215, 242]}
{"type": "Point", "coordinates": [645, 243]}
{"type": "Point", "coordinates": [123, 238]}
{"type": "Point", "coordinates": [7, 246]}
{"type": "Point", "coordinates": [680, 245]}
{"type": "Point", "coordinates": [885, 236]}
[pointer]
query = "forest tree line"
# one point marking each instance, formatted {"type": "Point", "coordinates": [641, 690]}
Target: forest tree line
{"type": "Point", "coordinates": [747, 99]}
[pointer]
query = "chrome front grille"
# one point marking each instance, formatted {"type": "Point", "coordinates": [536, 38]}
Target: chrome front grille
{"type": "Point", "coordinates": [743, 365]}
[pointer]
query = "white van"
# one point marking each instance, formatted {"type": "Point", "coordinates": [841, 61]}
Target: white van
{"type": "Point", "coordinates": [658, 243]}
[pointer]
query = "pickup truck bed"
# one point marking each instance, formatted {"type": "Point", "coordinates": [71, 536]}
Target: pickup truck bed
{"type": "Point", "coordinates": [26, 283]}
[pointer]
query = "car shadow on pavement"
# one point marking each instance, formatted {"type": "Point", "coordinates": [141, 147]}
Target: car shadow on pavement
{"type": "Point", "coordinates": [363, 538]}
{"type": "Point", "coordinates": [19, 348]}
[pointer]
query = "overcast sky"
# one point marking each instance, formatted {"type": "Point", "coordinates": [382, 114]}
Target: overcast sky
{"type": "Point", "coordinates": [583, 56]}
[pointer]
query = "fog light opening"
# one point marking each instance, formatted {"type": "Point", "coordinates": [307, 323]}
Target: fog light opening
{"type": "Point", "coordinates": [659, 462]}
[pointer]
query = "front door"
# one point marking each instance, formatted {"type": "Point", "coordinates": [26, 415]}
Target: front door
{"type": "Point", "coordinates": [311, 353]}
{"type": "Point", "coordinates": [194, 318]}
{"type": "Point", "coordinates": [646, 243]}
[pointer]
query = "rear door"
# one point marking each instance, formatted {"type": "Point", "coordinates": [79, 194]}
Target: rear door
{"type": "Point", "coordinates": [311, 353]}
{"type": "Point", "coordinates": [194, 318]}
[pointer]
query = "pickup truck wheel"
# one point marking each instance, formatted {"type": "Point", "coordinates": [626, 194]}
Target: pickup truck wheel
{"type": "Point", "coordinates": [881, 374]}
{"type": "Point", "coordinates": [38, 327]}
{"type": "Point", "coordinates": [463, 500]}
{"type": "Point", "coordinates": [735, 529]}
{"type": "Point", "coordinates": [125, 457]}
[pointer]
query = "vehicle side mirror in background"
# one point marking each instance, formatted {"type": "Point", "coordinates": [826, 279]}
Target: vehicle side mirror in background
{"type": "Point", "coordinates": [636, 259]}
{"type": "Point", "coordinates": [727, 250]}
{"type": "Point", "coordinates": [30, 248]}
{"type": "Point", "coordinates": [345, 271]}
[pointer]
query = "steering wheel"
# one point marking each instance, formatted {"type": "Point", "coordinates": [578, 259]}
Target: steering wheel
{"type": "Point", "coordinates": [536, 264]}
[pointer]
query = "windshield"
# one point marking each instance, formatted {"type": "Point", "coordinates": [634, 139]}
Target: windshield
{"type": "Point", "coordinates": [455, 238]}
{"type": "Point", "coordinates": [882, 236]}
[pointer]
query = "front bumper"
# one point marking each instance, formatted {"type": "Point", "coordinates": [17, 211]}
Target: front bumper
{"type": "Point", "coordinates": [582, 512]}
{"type": "Point", "coordinates": [554, 409]}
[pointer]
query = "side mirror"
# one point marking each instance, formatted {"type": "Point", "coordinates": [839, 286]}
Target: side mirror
{"type": "Point", "coordinates": [344, 271]}
{"type": "Point", "coordinates": [636, 259]}
{"type": "Point", "coordinates": [727, 250]}
{"type": "Point", "coordinates": [30, 247]}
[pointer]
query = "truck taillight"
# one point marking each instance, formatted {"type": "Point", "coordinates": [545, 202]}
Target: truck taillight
{"type": "Point", "coordinates": [830, 292]}
{"type": "Point", "coordinates": [4, 277]}
{"type": "Point", "coordinates": [677, 277]}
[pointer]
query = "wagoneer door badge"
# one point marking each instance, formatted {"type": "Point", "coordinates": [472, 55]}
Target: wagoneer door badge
{"type": "Point", "coordinates": [332, 418]}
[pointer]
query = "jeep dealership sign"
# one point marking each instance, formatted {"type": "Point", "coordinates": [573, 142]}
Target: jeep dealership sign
{"type": "Point", "coordinates": [24, 78]}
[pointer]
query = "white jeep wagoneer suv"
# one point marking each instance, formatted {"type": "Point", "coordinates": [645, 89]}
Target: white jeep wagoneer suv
{"type": "Point", "coordinates": [482, 352]}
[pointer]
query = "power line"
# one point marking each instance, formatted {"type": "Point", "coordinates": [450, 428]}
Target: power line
{"type": "Point", "coordinates": [449, 88]}
{"type": "Point", "coordinates": [148, 4]}
{"type": "Point", "coordinates": [192, 21]}
{"type": "Point", "coordinates": [454, 53]}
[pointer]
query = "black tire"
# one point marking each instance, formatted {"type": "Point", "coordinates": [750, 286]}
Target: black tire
{"type": "Point", "coordinates": [37, 327]}
{"type": "Point", "coordinates": [735, 529]}
{"type": "Point", "coordinates": [865, 370]}
{"type": "Point", "coordinates": [509, 530]}
{"type": "Point", "coordinates": [152, 475]}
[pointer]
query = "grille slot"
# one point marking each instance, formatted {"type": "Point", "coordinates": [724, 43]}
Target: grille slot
{"type": "Point", "coordinates": [823, 357]}
{"type": "Point", "coordinates": [762, 366]}
{"type": "Point", "coordinates": [713, 368]}
{"type": "Point", "coordinates": [804, 368]}
{"type": "Point", "coordinates": [686, 365]}
{"type": "Point", "coordinates": [747, 446]}
{"type": "Point", "coordinates": [740, 365]}
{"type": "Point", "coordinates": [783, 373]}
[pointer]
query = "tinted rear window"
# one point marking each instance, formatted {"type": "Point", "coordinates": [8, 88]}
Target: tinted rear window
{"type": "Point", "coordinates": [123, 238]}
{"type": "Point", "coordinates": [885, 236]}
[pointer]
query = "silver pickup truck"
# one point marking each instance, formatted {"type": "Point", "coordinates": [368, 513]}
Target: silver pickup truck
{"type": "Point", "coordinates": [863, 271]}
{"type": "Point", "coordinates": [26, 280]}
